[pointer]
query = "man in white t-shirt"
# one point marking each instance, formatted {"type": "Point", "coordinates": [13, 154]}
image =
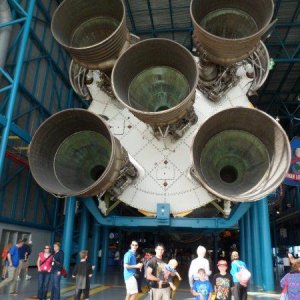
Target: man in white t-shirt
{"type": "Point", "coordinates": [198, 263]}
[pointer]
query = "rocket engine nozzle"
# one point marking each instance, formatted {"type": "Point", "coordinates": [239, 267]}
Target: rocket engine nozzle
{"type": "Point", "coordinates": [226, 32]}
{"type": "Point", "coordinates": [73, 153]}
{"type": "Point", "coordinates": [93, 32]}
{"type": "Point", "coordinates": [156, 80]}
{"type": "Point", "coordinates": [240, 154]}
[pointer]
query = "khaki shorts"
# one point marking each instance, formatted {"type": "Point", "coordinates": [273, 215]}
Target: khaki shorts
{"type": "Point", "coordinates": [131, 286]}
{"type": "Point", "coordinates": [160, 294]}
{"type": "Point", "coordinates": [25, 264]}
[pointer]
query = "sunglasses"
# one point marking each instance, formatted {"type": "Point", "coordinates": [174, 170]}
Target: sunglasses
{"type": "Point", "coordinates": [135, 245]}
{"type": "Point", "coordinates": [47, 248]}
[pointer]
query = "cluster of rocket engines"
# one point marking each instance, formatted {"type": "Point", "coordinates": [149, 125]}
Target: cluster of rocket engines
{"type": "Point", "coordinates": [74, 151]}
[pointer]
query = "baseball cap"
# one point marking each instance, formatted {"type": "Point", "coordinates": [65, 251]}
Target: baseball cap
{"type": "Point", "coordinates": [222, 263]}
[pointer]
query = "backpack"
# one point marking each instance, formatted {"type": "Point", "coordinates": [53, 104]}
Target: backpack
{"type": "Point", "coordinates": [243, 275]}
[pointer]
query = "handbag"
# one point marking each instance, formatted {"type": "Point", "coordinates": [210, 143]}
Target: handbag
{"type": "Point", "coordinates": [63, 272]}
{"type": "Point", "coordinates": [284, 295]}
{"type": "Point", "coordinates": [243, 275]}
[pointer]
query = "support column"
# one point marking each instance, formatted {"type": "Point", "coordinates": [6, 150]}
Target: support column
{"type": "Point", "coordinates": [83, 230]}
{"type": "Point", "coordinates": [257, 271]}
{"type": "Point", "coordinates": [249, 244]}
{"type": "Point", "coordinates": [104, 258]}
{"type": "Point", "coordinates": [96, 244]}
{"type": "Point", "coordinates": [274, 230]}
{"type": "Point", "coordinates": [68, 231]}
{"type": "Point", "coordinates": [266, 246]}
{"type": "Point", "coordinates": [242, 238]}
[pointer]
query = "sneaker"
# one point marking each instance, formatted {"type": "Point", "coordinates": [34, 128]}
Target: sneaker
{"type": "Point", "coordinates": [13, 294]}
{"type": "Point", "coordinates": [27, 277]}
{"type": "Point", "coordinates": [18, 278]}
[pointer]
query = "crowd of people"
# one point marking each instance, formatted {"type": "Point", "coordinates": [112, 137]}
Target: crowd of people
{"type": "Point", "coordinates": [204, 285]}
{"type": "Point", "coordinates": [50, 270]}
{"type": "Point", "coordinates": [160, 275]}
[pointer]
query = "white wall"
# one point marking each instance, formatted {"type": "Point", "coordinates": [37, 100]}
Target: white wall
{"type": "Point", "coordinates": [39, 239]}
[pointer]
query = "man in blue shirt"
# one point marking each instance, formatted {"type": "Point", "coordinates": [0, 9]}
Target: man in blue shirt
{"type": "Point", "coordinates": [130, 267]}
{"type": "Point", "coordinates": [13, 260]}
{"type": "Point", "coordinates": [24, 253]}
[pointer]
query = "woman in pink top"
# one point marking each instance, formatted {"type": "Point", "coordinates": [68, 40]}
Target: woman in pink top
{"type": "Point", "coordinates": [44, 264]}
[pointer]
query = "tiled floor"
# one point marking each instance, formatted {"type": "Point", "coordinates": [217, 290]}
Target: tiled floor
{"type": "Point", "coordinates": [109, 287]}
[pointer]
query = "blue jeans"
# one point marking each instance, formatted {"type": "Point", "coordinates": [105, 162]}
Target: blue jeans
{"type": "Point", "coordinates": [43, 283]}
{"type": "Point", "coordinates": [55, 286]}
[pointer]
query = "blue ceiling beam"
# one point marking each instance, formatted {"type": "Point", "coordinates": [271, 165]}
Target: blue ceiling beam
{"type": "Point", "coordinates": [6, 88]}
{"type": "Point", "coordinates": [34, 100]}
{"type": "Point", "coordinates": [24, 113]}
{"type": "Point", "coordinates": [25, 223]}
{"type": "Point", "coordinates": [14, 90]}
{"type": "Point", "coordinates": [19, 8]}
{"type": "Point", "coordinates": [189, 223]}
{"type": "Point", "coordinates": [294, 91]}
{"type": "Point", "coordinates": [288, 44]}
{"type": "Point", "coordinates": [42, 48]}
{"type": "Point", "coordinates": [151, 18]}
{"type": "Point", "coordinates": [288, 24]}
{"type": "Point", "coordinates": [276, 9]}
{"type": "Point", "coordinates": [46, 210]}
{"type": "Point", "coordinates": [26, 199]}
{"type": "Point", "coordinates": [45, 12]}
{"type": "Point", "coordinates": [130, 15]}
{"type": "Point", "coordinates": [15, 129]}
{"type": "Point", "coordinates": [164, 30]}
{"type": "Point", "coordinates": [13, 22]}
{"type": "Point", "coordinates": [6, 75]}
{"type": "Point", "coordinates": [12, 177]}
{"type": "Point", "coordinates": [289, 60]}
{"type": "Point", "coordinates": [56, 68]}
{"type": "Point", "coordinates": [171, 16]}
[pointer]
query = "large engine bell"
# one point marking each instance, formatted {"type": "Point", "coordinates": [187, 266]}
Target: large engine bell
{"type": "Point", "coordinates": [227, 32]}
{"type": "Point", "coordinates": [93, 32]}
{"type": "Point", "coordinates": [74, 153]}
{"type": "Point", "coordinates": [156, 80]}
{"type": "Point", "coordinates": [240, 154]}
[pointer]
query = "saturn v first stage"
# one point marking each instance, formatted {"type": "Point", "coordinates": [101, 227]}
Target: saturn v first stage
{"type": "Point", "coordinates": [163, 125]}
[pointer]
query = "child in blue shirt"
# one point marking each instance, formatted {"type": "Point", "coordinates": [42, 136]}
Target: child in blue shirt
{"type": "Point", "coordinates": [202, 288]}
